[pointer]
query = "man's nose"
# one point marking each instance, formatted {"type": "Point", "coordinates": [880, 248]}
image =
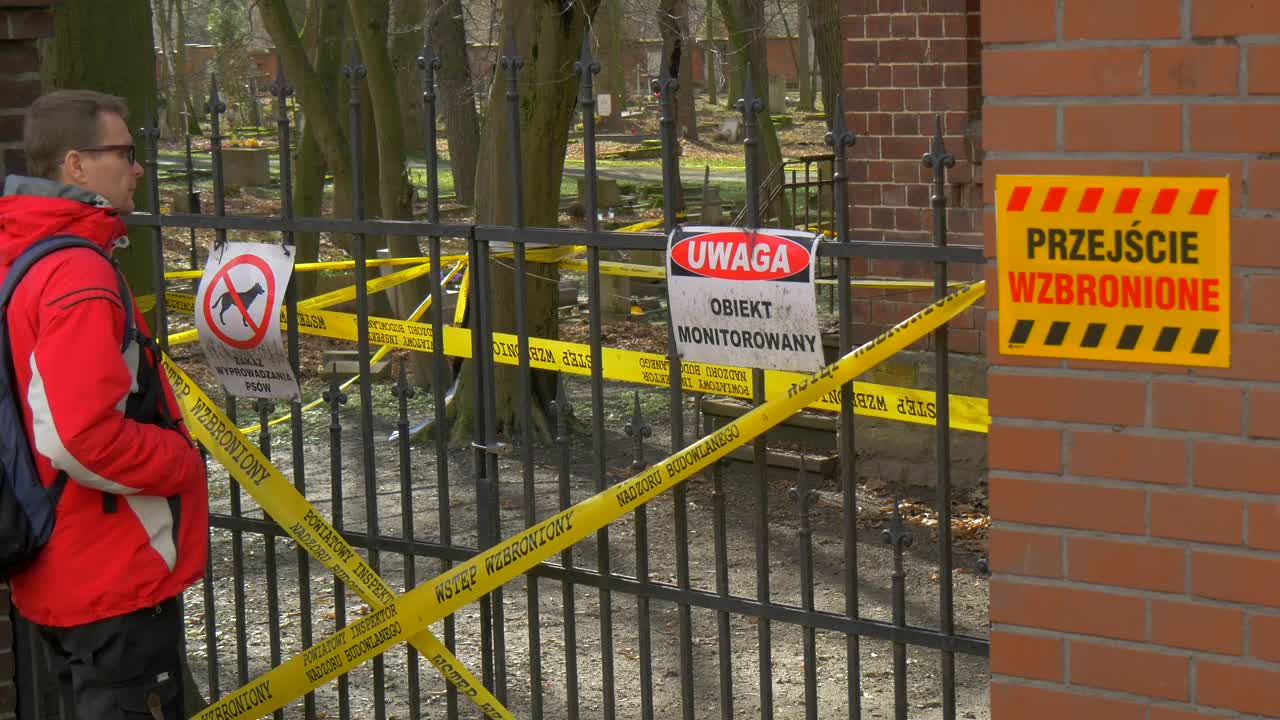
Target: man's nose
{"type": "Point", "coordinates": [136, 169]}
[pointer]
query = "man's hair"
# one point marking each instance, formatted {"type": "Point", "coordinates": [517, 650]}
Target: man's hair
{"type": "Point", "coordinates": [61, 121]}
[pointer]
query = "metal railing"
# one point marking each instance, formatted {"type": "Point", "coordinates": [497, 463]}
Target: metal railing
{"type": "Point", "coordinates": [629, 661]}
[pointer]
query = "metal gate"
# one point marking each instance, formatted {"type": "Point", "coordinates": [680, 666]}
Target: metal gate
{"type": "Point", "coordinates": [751, 591]}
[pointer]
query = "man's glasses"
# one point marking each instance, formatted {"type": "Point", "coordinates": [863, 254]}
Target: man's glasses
{"type": "Point", "coordinates": [130, 151]}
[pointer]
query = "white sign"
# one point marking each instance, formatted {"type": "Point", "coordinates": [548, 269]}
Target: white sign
{"type": "Point", "coordinates": [604, 105]}
{"type": "Point", "coordinates": [744, 297]}
{"type": "Point", "coordinates": [238, 319]}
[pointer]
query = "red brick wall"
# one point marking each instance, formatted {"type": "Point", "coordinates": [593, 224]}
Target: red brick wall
{"type": "Point", "coordinates": [21, 22]}
{"type": "Point", "coordinates": [1136, 541]}
{"type": "Point", "coordinates": [907, 62]}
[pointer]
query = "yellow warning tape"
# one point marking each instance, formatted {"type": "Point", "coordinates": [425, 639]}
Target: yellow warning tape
{"type": "Point", "coordinates": [269, 488]}
{"type": "Point", "coordinates": [887, 402]}
{"type": "Point", "coordinates": [653, 272]}
{"type": "Point", "coordinates": [328, 265]}
{"type": "Point", "coordinates": [377, 356]}
{"type": "Point", "coordinates": [484, 573]}
{"type": "Point", "coordinates": [464, 292]}
{"type": "Point", "coordinates": [334, 297]}
{"type": "Point", "coordinates": [871, 400]}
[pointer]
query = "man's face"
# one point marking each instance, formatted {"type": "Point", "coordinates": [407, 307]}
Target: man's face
{"type": "Point", "coordinates": [105, 168]}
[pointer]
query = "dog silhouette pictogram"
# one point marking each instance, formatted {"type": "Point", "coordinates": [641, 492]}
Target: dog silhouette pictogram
{"type": "Point", "coordinates": [226, 301]}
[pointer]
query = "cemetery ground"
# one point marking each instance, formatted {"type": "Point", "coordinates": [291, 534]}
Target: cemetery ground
{"type": "Point", "coordinates": [878, 484]}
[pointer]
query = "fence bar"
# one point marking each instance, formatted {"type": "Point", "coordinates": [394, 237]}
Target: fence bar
{"type": "Point", "coordinates": [492, 634]}
{"type": "Point", "coordinates": [355, 73]}
{"type": "Point", "coordinates": [429, 63]}
{"type": "Point", "coordinates": [749, 106]}
{"type": "Point", "coordinates": [568, 597]}
{"type": "Point", "coordinates": [940, 161]}
{"type": "Point", "coordinates": [805, 497]}
{"type": "Point", "coordinates": [520, 284]}
{"type": "Point", "coordinates": [898, 537]}
{"type": "Point", "coordinates": [840, 140]}
{"type": "Point", "coordinates": [237, 568]}
{"type": "Point", "coordinates": [282, 92]}
{"type": "Point", "coordinates": [402, 392]}
{"type": "Point", "coordinates": [679, 494]}
{"type": "Point", "coordinates": [265, 407]}
{"type": "Point", "coordinates": [336, 399]}
{"type": "Point", "coordinates": [724, 635]}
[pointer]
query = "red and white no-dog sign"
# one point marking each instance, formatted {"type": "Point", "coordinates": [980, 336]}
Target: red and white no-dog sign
{"type": "Point", "coordinates": [238, 319]}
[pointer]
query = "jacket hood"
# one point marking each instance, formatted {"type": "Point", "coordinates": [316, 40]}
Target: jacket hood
{"type": "Point", "coordinates": [32, 209]}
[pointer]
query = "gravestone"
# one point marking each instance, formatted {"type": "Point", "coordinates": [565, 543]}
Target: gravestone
{"type": "Point", "coordinates": [730, 130]}
{"type": "Point", "coordinates": [777, 94]}
{"type": "Point", "coordinates": [246, 167]}
{"type": "Point", "coordinates": [607, 193]}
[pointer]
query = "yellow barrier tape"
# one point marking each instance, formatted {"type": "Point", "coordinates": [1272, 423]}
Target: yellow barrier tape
{"type": "Point", "coordinates": [264, 483]}
{"type": "Point", "coordinates": [657, 272]}
{"type": "Point", "coordinates": [471, 580]}
{"type": "Point", "coordinates": [329, 265]}
{"type": "Point", "coordinates": [464, 292]}
{"type": "Point", "coordinates": [377, 356]}
{"type": "Point", "coordinates": [334, 297]}
{"type": "Point", "coordinates": [653, 272]}
{"type": "Point", "coordinates": [642, 226]}
{"type": "Point", "coordinates": [871, 400]}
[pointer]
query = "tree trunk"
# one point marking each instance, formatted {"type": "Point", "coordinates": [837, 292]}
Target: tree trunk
{"type": "Point", "coordinates": [164, 23]}
{"type": "Point", "coordinates": [709, 54]}
{"type": "Point", "coordinates": [457, 93]}
{"type": "Point", "coordinates": [183, 77]}
{"type": "Point", "coordinates": [673, 51]}
{"type": "Point", "coordinates": [85, 32]}
{"type": "Point", "coordinates": [613, 74]}
{"type": "Point", "coordinates": [825, 21]}
{"type": "Point", "coordinates": [745, 21]}
{"type": "Point", "coordinates": [407, 20]}
{"type": "Point", "coordinates": [549, 41]}
{"type": "Point", "coordinates": [686, 118]}
{"type": "Point", "coordinates": [315, 92]}
{"type": "Point", "coordinates": [802, 67]}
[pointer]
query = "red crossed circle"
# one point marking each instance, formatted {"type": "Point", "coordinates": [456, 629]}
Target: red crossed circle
{"type": "Point", "coordinates": [222, 278]}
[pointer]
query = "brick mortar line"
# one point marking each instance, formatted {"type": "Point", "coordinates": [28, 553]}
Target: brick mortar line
{"type": "Point", "coordinates": [1171, 379]}
{"type": "Point", "coordinates": [1184, 19]}
{"type": "Point", "coordinates": [1205, 155]}
{"type": "Point", "coordinates": [1132, 594]}
{"type": "Point", "coordinates": [1112, 483]}
{"type": "Point", "coordinates": [1117, 484]}
{"type": "Point", "coordinates": [1141, 375]}
{"type": "Point", "coordinates": [1240, 661]}
{"type": "Point", "coordinates": [1087, 691]}
{"type": "Point", "coordinates": [1129, 44]}
{"type": "Point", "coordinates": [1126, 99]}
{"type": "Point", "coordinates": [1144, 540]}
{"type": "Point", "coordinates": [1049, 634]}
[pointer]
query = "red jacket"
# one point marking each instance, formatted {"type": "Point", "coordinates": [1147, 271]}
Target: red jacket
{"type": "Point", "coordinates": [66, 328]}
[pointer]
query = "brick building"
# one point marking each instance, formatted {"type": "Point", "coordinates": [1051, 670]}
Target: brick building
{"type": "Point", "coordinates": [1136, 522]}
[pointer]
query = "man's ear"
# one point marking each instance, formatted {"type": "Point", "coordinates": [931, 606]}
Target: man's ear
{"type": "Point", "coordinates": [72, 170]}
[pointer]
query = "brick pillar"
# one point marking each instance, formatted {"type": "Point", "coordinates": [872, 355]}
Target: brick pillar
{"type": "Point", "coordinates": [1135, 547]}
{"type": "Point", "coordinates": [21, 23]}
{"type": "Point", "coordinates": [907, 63]}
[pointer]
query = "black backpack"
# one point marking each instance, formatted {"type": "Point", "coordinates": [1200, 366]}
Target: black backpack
{"type": "Point", "coordinates": [26, 506]}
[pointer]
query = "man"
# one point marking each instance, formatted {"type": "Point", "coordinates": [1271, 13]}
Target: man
{"type": "Point", "coordinates": [131, 529]}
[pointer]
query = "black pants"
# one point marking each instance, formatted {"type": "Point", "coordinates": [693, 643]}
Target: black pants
{"type": "Point", "coordinates": [123, 668]}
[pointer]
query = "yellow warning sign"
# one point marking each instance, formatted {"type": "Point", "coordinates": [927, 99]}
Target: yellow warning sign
{"type": "Point", "coordinates": [1126, 269]}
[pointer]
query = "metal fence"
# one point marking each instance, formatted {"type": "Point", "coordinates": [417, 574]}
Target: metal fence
{"type": "Point", "coordinates": [739, 598]}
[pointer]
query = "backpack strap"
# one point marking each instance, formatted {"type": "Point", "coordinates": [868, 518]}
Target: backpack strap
{"type": "Point", "coordinates": [17, 271]}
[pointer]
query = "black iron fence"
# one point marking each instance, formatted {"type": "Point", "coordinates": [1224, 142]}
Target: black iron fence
{"type": "Point", "coordinates": [755, 591]}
